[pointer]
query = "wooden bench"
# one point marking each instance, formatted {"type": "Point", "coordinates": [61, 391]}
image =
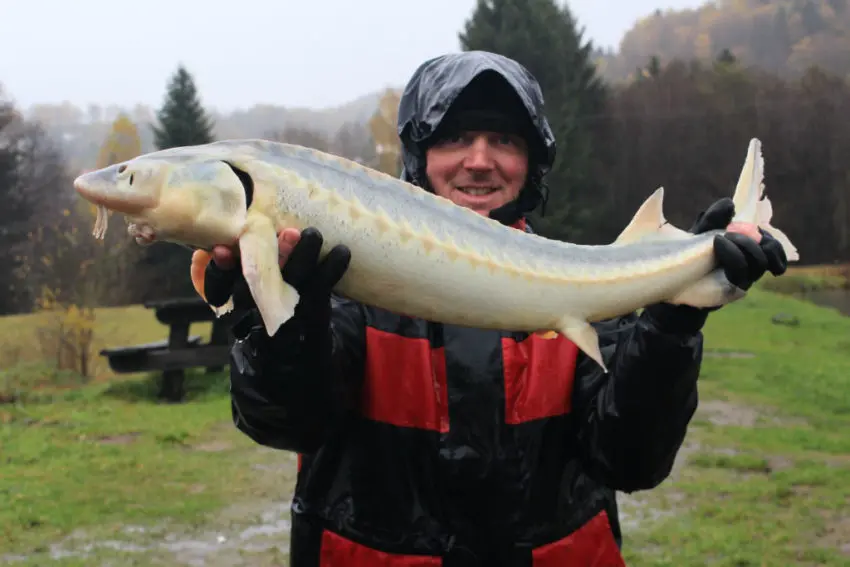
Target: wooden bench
{"type": "Point", "coordinates": [179, 351]}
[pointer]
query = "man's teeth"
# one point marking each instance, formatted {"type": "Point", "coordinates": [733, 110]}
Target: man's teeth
{"type": "Point", "coordinates": [477, 191]}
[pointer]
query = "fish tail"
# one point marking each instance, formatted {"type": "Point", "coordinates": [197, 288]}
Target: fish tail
{"type": "Point", "coordinates": [752, 206]}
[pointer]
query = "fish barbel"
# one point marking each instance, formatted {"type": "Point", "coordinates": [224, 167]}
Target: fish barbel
{"type": "Point", "coordinates": [413, 252]}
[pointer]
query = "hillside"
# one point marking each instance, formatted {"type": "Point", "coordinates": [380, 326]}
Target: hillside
{"type": "Point", "coordinates": [784, 36]}
{"type": "Point", "coordinates": [82, 131]}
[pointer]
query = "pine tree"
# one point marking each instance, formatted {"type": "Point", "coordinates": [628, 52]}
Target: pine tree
{"type": "Point", "coordinates": [182, 119]}
{"type": "Point", "coordinates": [543, 37]}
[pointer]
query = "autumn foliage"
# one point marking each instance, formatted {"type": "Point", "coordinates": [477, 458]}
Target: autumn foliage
{"type": "Point", "coordinates": [782, 36]}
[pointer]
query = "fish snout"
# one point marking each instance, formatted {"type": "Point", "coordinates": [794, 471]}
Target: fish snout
{"type": "Point", "coordinates": [113, 188]}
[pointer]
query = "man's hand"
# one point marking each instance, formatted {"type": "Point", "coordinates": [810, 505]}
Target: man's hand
{"type": "Point", "coordinates": [298, 257]}
{"type": "Point", "coordinates": [745, 252]}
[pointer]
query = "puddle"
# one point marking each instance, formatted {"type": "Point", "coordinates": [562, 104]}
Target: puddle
{"type": "Point", "coordinates": [268, 532]}
{"type": "Point", "coordinates": [724, 413]}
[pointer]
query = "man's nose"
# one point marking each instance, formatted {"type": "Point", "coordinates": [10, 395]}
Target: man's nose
{"type": "Point", "coordinates": [479, 156]}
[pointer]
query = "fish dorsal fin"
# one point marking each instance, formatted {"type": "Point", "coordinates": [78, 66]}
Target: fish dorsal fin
{"type": "Point", "coordinates": [649, 223]}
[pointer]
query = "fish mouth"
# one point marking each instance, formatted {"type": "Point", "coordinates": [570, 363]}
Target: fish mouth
{"type": "Point", "coordinates": [142, 233]}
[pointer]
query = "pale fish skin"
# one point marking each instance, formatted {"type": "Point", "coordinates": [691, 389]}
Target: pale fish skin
{"type": "Point", "coordinates": [413, 252]}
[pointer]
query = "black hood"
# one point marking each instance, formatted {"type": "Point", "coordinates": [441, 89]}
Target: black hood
{"type": "Point", "coordinates": [434, 88]}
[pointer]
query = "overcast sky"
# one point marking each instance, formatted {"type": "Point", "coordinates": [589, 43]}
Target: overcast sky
{"type": "Point", "coordinates": [312, 53]}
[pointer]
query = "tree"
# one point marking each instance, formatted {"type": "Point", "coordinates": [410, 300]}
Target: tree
{"type": "Point", "coordinates": [301, 136]}
{"type": "Point", "coordinates": [543, 37]}
{"type": "Point", "coordinates": [112, 264]}
{"type": "Point", "coordinates": [182, 119]}
{"type": "Point", "coordinates": [121, 144]}
{"type": "Point", "coordinates": [352, 141]}
{"type": "Point", "coordinates": [382, 126]}
{"type": "Point", "coordinates": [16, 211]}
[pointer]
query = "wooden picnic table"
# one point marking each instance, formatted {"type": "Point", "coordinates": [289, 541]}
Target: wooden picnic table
{"type": "Point", "coordinates": [179, 352]}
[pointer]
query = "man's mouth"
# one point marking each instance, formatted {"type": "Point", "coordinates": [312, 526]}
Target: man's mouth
{"type": "Point", "coordinates": [477, 191]}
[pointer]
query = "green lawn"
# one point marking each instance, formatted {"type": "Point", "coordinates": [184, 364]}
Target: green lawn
{"type": "Point", "coordinates": [764, 478]}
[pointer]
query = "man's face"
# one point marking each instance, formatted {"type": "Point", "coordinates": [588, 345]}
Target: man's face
{"type": "Point", "coordinates": [478, 170]}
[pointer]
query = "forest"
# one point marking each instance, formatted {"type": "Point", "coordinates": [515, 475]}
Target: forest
{"type": "Point", "coordinates": [786, 37]}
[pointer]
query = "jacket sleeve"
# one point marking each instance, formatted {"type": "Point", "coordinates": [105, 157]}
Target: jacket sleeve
{"type": "Point", "coordinates": [288, 392]}
{"type": "Point", "coordinates": [633, 420]}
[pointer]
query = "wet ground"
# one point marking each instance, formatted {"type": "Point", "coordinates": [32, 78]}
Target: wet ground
{"type": "Point", "coordinates": [257, 533]}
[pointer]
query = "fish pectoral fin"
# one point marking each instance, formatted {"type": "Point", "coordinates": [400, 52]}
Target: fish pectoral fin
{"type": "Point", "coordinates": [275, 299]}
{"type": "Point", "coordinates": [713, 290]}
{"type": "Point", "coordinates": [200, 261]}
{"type": "Point", "coordinates": [649, 223]}
{"type": "Point", "coordinates": [546, 334]}
{"type": "Point", "coordinates": [224, 309]}
{"type": "Point", "coordinates": [584, 336]}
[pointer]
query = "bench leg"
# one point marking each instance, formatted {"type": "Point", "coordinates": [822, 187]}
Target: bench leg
{"type": "Point", "coordinates": [172, 387]}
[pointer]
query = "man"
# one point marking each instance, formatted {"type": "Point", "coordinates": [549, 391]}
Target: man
{"type": "Point", "coordinates": [423, 444]}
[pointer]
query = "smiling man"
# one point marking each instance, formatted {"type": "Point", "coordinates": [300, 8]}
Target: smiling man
{"type": "Point", "coordinates": [432, 445]}
{"type": "Point", "coordinates": [479, 155]}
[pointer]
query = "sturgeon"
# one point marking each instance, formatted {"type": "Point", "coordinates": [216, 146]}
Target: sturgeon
{"type": "Point", "coordinates": [413, 252]}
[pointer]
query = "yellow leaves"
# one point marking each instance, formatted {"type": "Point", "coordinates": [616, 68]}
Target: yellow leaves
{"type": "Point", "coordinates": [702, 46]}
{"type": "Point", "coordinates": [382, 126]}
{"type": "Point", "coordinates": [67, 334]}
{"type": "Point", "coordinates": [121, 144]}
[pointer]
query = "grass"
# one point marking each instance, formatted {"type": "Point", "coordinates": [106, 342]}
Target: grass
{"type": "Point", "coordinates": [763, 479]}
{"type": "Point", "coordinates": [23, 361]}
{"type": "Point", "coordinates": [105, 462]}
{"type": "Point", "coordinates": [809, 278]}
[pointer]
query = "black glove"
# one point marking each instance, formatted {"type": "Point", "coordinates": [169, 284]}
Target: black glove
{"type": "Point", "coordinates": [742, 259]}
{"type": "Point", "coordinates": [313, 279]}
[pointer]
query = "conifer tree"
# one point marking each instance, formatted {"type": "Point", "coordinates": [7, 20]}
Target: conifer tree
{"type": "Point", "coordinates": [182, 119]}
{"type": "Point", "coordinates": [542, 36]}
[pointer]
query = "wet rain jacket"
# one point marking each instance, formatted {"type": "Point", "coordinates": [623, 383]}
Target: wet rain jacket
{"type": "Point", "coordinates": [423, 444]}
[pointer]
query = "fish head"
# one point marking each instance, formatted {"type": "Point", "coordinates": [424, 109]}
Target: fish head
{"type": "Point", "coordinates": [197, 201]}
{"type": "Point", "coordinates": [125, 187]}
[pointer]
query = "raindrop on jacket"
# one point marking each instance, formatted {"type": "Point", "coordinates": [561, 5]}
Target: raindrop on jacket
{"type": "Point", "coordinates": [422, 444]}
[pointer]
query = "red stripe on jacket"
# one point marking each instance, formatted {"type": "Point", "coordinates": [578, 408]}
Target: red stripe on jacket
{"type": "Point", "coordinates": [592, 545]}
{"type": "Point", "coordinates": [406, 382]}
{"type": "Point", "coordinates": [539, 377]}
